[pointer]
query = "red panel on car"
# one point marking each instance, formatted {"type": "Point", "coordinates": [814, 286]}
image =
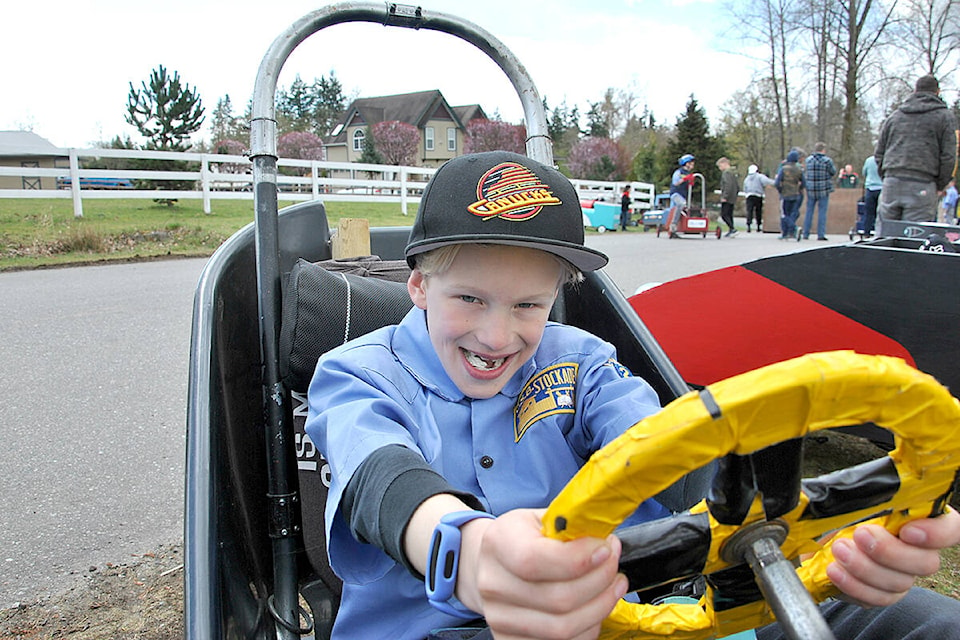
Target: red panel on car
{"type": "Point", "coordinates": [729, 321]}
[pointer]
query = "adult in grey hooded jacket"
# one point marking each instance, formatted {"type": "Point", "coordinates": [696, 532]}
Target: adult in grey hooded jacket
{"type": "Point", "coordinates": [916, 154]}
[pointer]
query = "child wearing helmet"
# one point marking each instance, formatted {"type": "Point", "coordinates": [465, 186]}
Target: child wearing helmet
{"type": "Point", "coordinates": [680, 184]}
{"type": "Point", "coordinates": [462, 422]}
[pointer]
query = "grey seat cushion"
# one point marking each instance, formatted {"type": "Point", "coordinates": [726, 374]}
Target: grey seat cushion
{"type": "Point", "coordinates": [329, 303]}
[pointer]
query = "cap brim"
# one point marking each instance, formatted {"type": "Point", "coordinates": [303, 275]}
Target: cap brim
{"type": "Point", "coordinates": [581, 257]}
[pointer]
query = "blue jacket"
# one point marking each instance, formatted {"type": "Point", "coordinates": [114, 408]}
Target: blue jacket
{"type": "Point", "coordinates": [389, 387]}
{"type": "Point", "coordinates": [871, 176]}
{"type": "Point", "coordinates": [678, 187]}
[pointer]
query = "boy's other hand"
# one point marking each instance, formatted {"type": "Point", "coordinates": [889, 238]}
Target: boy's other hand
{"type": "Point", "coordinates": [531, 586]}
{"type": "Point", "coordinates": [876, 568]}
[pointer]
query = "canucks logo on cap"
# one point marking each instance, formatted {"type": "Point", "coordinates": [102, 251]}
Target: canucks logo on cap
{"type": "Point", "coordinates": [512, 192]}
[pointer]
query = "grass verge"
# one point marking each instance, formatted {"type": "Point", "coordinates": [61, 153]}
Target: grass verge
{"type": "Point", "coordinates": [44, 233]}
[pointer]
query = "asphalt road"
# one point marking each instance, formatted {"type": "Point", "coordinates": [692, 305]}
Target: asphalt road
{"type": "Point", "coordinates": [93, 391]}
{"type": "Point", "coordinates": [93, 387]}
{"type": "Point", "coordinates": [638, 259]}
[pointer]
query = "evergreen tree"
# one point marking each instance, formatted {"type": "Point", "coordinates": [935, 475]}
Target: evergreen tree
{"type": "Point", "coordinates": [225, 126]}
{"type": "Point", "coordinates": [608, 118]}
{"type": "Point", "coordinates": [314, 108]}
{"type": "Point", "coordinates": [165, 112]}
{"type": "Point", "coordinates": [328, 104]}
{"type": "Point", "coordinates": [369, 154]}
{"type": "Point", "coordinates": [647, 118]}
{"type": "Point", "coordinates": [645, 167]}
{"type": "Point", "coordinates": [295, 107]}
{"type": "Point", "coordinates": [92, 162]}
{"type": "Point", "coordinates": [222, 114]}
{"type": "Point", "coordinates": [597, 122]}
{"type": "Point", "coordinates": [563, 125]}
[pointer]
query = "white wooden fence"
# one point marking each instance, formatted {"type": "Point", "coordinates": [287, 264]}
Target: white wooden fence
{"type": "Point", "coordinates": [229, 177]}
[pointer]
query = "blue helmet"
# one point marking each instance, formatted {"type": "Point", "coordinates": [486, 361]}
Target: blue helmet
{"type": "Point", "coordinates": [685, 158]}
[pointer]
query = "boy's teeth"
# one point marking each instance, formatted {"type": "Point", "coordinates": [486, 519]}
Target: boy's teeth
{"type": "Point", "coordinates": [482, 363]}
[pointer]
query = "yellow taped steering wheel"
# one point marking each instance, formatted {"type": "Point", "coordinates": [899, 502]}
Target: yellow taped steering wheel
{"type": "Point", "coordinates": [743, 415]}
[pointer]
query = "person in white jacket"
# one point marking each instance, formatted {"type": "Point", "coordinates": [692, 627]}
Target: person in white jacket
{"type": "Point", "coordinates": [753, 186]}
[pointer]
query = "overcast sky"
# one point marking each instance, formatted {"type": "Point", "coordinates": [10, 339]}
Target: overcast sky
{"type": "Point", "coordinates": [67, 64]}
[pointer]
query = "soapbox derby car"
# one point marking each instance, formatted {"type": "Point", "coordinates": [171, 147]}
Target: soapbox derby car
{"type": "Point", "coordinates": [654, 218]}
{"type": "Point", "coordinates": [602, 216]}
{"type": "Point", "coordinates": [255, 558]}
{"type": "Point", "coordinates": [691, 219]}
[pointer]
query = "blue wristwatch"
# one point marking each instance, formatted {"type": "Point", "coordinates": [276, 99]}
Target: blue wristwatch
{"type": "Point", "coordinates": [443, 563]}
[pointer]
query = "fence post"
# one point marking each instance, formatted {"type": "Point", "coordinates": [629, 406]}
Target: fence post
{"type": "Point", "coordinates": [75, 184]}
{"type": "Point", "coordinates": [403, 190]}
{"type": "Point", "coordinates": [205, 181]}
{"type": "Point", "coordinates": [315, 179]}
{"type": "Point", "coordinates": [651, 193]}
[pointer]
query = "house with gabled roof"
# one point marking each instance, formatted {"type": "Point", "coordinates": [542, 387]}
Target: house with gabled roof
{"type": "Point", "coordinates": [469, 112]}
{"type": "Point", "coordinates": [442, 127]}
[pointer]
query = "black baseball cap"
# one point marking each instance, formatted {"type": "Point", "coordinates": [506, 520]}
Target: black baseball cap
{"type": "Point", "coordinates": [499, 197]}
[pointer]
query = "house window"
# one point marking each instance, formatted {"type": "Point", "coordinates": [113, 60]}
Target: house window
{"type": "Point", "coordinates": [451, 139]}
{"type": "Point", "coordinates": [428, 138]}
{"type": "Point", "coordinates": [358, 137]}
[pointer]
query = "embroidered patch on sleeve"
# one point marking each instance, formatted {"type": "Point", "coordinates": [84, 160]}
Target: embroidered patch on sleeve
{"type": "Point", "coordinates": [547, 393]}
{"type": "Point", "coordinates": [621, 370]}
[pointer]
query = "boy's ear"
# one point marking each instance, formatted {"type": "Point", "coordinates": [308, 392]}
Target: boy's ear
{"type": "Point", "coordinates": [417, 288]}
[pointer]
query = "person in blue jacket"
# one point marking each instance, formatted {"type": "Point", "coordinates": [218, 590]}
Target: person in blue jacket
{"type": "Point", "coordinates": [872, 184]}
{"type": "Point", "coordinates": [460, 425]}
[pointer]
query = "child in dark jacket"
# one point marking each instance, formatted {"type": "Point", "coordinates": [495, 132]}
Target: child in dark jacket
{"type": "Point", "coordinates": [729, 183]}
{"type": "Point", "coordinates": [789, 183]}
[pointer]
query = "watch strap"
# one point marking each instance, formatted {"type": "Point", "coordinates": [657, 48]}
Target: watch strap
{"type": "Point", "coordinates": [443, 563]}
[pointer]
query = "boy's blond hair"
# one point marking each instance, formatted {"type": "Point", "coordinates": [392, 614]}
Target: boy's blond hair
{"type": "Point", "coordinates": [437, 261]}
